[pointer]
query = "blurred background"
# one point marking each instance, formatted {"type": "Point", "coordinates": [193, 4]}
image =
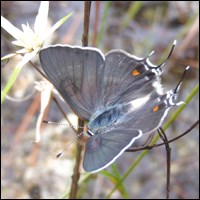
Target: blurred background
{"type": "Point", "coordinates": [30, 170]}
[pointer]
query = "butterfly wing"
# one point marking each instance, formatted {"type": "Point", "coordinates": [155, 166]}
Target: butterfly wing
{"type": "Point", "coordinates": [103, 149]}
{"type": "Point", "coordinates": [88, 81]}
{"type": "Point", "coordinates": [127, 77]}
{"type": "Point", "coordinates": [92, 84]}
{"type": "Point", "coordinates": [149, 116]}
{"type": "Point", "coordinates": [76, 73]}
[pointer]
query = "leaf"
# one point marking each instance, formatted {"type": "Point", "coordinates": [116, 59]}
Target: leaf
{"type": "Point", "coordinates": [58, 24]}
{"type": "Point", "coordinates": [15, 73]}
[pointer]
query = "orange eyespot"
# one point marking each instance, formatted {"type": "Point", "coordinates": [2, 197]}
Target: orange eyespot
{"type": "Point", "coordinates": [156, 108]}
{"type": "Point", "coordinates": [135, 72]}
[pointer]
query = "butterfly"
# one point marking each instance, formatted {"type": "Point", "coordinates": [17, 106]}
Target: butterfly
{"type": "Point", "coordinates": [119, 94]}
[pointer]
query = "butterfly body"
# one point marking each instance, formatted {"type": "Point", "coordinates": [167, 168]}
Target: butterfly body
{"type": "Point", "coordinates": [107, 118]}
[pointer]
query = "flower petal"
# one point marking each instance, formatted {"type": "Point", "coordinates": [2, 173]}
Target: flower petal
{"type": "Point", "coordinates": [41, 19]}
{"type": "Point", "coordinates": [12, 30]}
{"type": "Point", "coordinates": [45, 98]}
{"type": "Point", "coordinates": [27, 57]}
{"type": "Point", "coordinates": [8, 56]}
{"type": "Point", "coordinates": [22, 51]}
{"type": "Point", "coordinates": [28, 31]}
{"type": "Point", "coordinates": [19, 43]}
{"type": "Point", "coordinates": [16, 72]}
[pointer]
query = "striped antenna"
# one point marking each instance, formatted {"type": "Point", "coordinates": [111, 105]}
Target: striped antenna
{"type": "Point", "coordinates": [66, 125]}
{"type": "Point", "coordinates": [58, 155]}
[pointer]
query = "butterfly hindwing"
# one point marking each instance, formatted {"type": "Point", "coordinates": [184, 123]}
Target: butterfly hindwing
{"type": "Point", "coordinates": [103, 149]}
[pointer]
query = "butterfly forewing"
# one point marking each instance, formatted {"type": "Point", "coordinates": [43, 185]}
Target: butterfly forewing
{"type": "Point", "coordinates": [76, 74]}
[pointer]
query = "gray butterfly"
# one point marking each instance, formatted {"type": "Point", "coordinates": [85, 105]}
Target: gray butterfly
{"type": "Point", "coordinates": [119, 94]}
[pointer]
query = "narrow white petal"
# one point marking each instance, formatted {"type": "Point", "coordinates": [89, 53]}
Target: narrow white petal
{"type": "Point", "coordinates": [8, 56]}
{"type": "Point", "coordinates": [29, 37]}
{"type": "Point", "coordinates": [24, 50]}
{"type": "Point", "coordinates": [45, 98]}
{"type": "Point", "coordinates": [41, 19]}
{"type": "Point", "coordinates": [27, 57]}
{"type": "Point", "coordinates": [28, 31]}
{"type": "Point", "coordinates": [23, 43]}
{"type": "Point", "coordinates": [19, 43]}
{"type": "Point", "coordinates": [12, 30]}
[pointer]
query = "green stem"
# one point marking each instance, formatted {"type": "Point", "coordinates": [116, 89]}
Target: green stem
{"type": "Point", "coordinates": [10, 83]}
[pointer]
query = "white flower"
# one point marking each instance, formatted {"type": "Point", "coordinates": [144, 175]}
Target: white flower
{"type": "Point", "coordinates": [31, 40]}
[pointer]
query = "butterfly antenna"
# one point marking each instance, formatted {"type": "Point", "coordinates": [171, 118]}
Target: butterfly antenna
{"type": "Point", "coordinates": [179, 83]}
{"type": "Point", "coordinates": [58, 155]}
{"type": "Point", "coordinates": [66, 125]}
{"type": "Point", "coordinates": [170, 53]}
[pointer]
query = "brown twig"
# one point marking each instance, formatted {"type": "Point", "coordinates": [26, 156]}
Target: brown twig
{"type": "Point", "coordinates": [168, 150]}
{"type": "Point", "coordinates": [168, 154]}
{"type": "Point", "coordinates": [133, 149]}
{"type": "Point", "coordinates": [76, 174]}
{"type": "Point", "coordinates": [85, 36]}
{"type": "Point", "coordinates": [96, 22]}
{"type": "Point", "coordinates": [176, 138]}
{"type": "Point", "coordinates": [38, 70]}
